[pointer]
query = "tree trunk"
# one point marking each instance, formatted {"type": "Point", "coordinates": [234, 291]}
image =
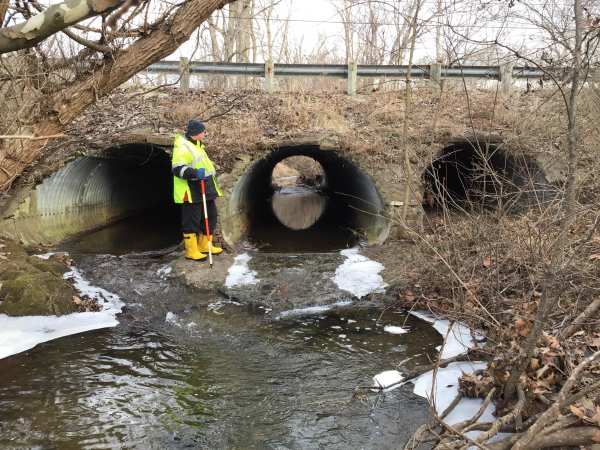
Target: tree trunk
{"type": "Point", "coordinates": [347, 31]}
{"type": "Point", "coordinates": [245, 24]}
{"type": "Point", "coordinates": [212, 29]}
{"type": "Point", "coordinates": [269, 37]}
{"type": "Point", "coordinates": [230, 33]}
{"type": "Point", "coordinates": [3, 8]}
{"type": "Point", "coordinates": [62, 107]}
{"type": "Point", "coordinates": [407, 113]}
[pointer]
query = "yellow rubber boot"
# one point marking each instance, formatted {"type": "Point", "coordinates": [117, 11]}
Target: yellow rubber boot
{"type": "Point", "coordinates": [191, 248]}
{"type": "Point", "coordinates": [203, 245]}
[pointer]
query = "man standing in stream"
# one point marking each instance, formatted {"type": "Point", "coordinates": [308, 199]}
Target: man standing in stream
{"type": "Point", "coordinates": [190, 166]}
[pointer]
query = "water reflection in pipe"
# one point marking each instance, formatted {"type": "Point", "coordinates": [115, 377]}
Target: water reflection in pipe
{"type": "Point", "coordinates": [296, 207]}
{"type": "Point", "coordinates": [297, 219]}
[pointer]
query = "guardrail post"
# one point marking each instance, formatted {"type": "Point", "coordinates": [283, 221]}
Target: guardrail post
{"type": "Point", "coordinates": [184, 68]}
{"type": "Point", "coordinates": [506, 71]}
{"type": "Point", "coordinates": [269, 75]}
{"type": "Point", "coordinates": [435, 76]}
{"type": "Point", "coordinates": [352, 70]}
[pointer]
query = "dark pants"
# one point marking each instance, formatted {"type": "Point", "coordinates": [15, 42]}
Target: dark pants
{"type": "Point", "coordinates": [192, 217]}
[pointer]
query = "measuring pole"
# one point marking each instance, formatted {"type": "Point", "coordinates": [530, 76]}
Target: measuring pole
{"type": "Point", "coordinates": [206, 222]}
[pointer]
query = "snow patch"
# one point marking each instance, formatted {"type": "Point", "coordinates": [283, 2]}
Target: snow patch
{"type": "Point", "coordinates": [18, 334]}
{"type": "Point", "coordinates": [358, 274]}
{"type": "Point", "coordinates": [239, 273]}
{"type": "Point", "coordinates": [395, 330]}
{"type": "Point", "coordinates": [45, 255]}
{"type": "Point", "coordinates": [385, 379]}
{"type": "Point", "coordinates": [446, 384]}
{"type": "Point", "coordinates": [172, 318]}
{"type": "Point", "coordinates": [164, 271]}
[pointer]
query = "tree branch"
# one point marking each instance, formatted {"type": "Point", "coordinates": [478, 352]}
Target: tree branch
{"type": "Point", "coordinates": [93, 45]}
{"type": "Point", "coordinates": [54, 19]}
{"type": "Point", "coordinates": [559, 404]}
{"type": "Point", "coordinates": [32, 138]}
{"type": "Point", "coordinates": [3, 8]}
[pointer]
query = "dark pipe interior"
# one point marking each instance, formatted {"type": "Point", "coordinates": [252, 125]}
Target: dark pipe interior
{"type": "Point", "coordinates": [112, 187]}
{"type": "Point", "coordinates": [346, 184]}
{"type": "Point", "coordinates": [488, 176]}
{"type": "Point", "coordinates": [136, 187]}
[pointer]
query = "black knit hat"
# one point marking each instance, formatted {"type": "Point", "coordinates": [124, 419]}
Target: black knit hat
{"type": "Point", "coordinates": [194, 127]}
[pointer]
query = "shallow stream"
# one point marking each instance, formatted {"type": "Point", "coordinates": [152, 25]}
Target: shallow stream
{"type": "Point", "coordinates": [190, 370]}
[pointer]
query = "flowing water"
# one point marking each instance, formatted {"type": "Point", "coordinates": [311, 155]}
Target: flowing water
{"type": "Point", "coordinates": [190, 370]}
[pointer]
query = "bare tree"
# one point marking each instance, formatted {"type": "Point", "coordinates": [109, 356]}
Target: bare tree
{"type": "Point", "coordinates": [57, 91]}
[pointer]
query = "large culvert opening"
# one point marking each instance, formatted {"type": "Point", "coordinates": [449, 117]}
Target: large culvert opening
{"type": "Point", "coordinates": [273, 209]}
{"type": "Point", "coordinates": [116, 200]}
{"type": "Point", "coordinates": [467, 175]}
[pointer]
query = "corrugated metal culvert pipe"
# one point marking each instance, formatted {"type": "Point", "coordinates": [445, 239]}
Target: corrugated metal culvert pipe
{"type": "Point", "coordinates": [94, 191]}
{"type": "Point", "coordinates": [341, 178]}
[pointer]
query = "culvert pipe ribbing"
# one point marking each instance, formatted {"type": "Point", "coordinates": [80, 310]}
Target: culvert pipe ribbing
{"type": "Point", "coordinates": [95, 190]}
{"type": "Point", "coordinates": [117, 182]}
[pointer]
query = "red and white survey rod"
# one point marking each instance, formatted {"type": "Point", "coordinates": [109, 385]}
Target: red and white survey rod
{"type": "Point", "coordinates": [206, 221]}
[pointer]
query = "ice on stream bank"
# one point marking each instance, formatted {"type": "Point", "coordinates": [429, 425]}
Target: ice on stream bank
{"type": "Point", "coordinates": [459, 340]}
{"type": "Point", "coordinates": [240, 274]}
{"type": "Point", "coordinates": [18, 334]}
{"type": "Point", "coordinates": [387, 378]}
{"type": "Point", "coordinates": [446, 384]}
{"type": "Point", "coordinates": [446, 389]}
{"type": "Point", "coordinates": [358, 274]}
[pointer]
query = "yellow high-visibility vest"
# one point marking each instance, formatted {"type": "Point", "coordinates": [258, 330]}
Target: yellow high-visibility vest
{"type": "Point", "coordinates": [188, 155]}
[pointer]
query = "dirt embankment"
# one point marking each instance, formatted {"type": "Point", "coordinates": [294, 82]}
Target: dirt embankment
{"type": "Point", "coordinates": [369, 125]}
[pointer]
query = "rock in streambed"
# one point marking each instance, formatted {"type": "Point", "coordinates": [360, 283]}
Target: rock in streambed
{"type": "Point", "coordinates": [33, 286]}
{"type": "Point", "coordinates": [290, 281]}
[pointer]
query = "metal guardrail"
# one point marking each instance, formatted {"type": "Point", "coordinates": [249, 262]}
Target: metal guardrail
{"type": "Point", "coordinates": [336, 70]}
{"type": "Point", "coordinates": [434, 72]}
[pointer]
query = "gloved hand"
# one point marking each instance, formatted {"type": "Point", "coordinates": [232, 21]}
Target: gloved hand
{"type": "Point", "coordinates": [200, 174]}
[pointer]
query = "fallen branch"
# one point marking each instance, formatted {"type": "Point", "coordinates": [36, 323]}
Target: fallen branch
{"type": "Point", "coordinates": [585, 391]}
{"type": "Point", "coordinates": [558, 405]}
{"type": "Point", "coordinates": [458, 433]}
{"type": "Point", "coordinates": [510, 428]}
{"type": "Point", "coordinates": [505, 420]}
{"type": "Point", "coordinates": [452, 405]}
{"type": "Point", "coordinates": [32, 138]}
{"type": "Point", "coordinates": [476, 417]}
{"type": "Point", "coordinates": [565, 437]}
{"type": "Point", "coordinates": [421, 370]}
{"type": "Point", "coordinates": [580, 320]}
